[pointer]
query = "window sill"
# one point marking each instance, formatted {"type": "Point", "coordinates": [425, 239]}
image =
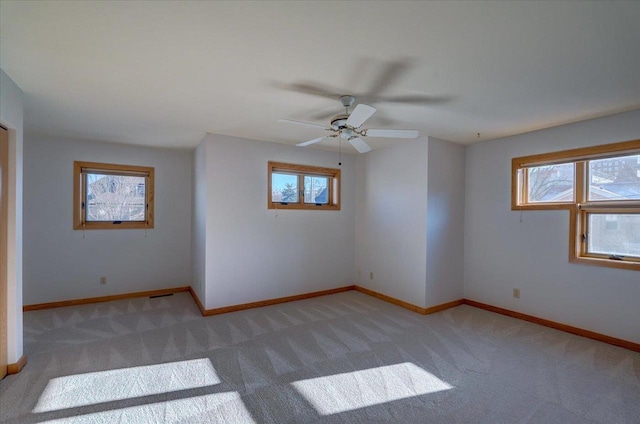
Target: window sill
{"type": "Point", "coordinates": [299, 206]}
{"type": "Point", "coordinates": [112, 226]}
{"type": "Point", "coordinates": [609, 263]}
{"type": "Point", "coordinates": [543, 207]}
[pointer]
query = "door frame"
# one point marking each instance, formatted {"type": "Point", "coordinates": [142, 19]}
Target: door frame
{"type": "Point", "coordinates": [4, 293]}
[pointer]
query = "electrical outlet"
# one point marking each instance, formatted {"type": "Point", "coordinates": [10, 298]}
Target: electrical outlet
{"type": "Point", "coordinates": [516, 293]}
{"type": "Point", "coordinates": [371, 276]}
{"type": "Point", "coordinates": [103, 280]}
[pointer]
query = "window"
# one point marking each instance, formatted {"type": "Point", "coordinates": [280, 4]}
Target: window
{"type": "Point", "coordinates": [108, 196]}
{"type": "Point", "coordinates": [550, 183]}
{"type": "Point", "coordinates": [302, 187]}
{"type": "Point", "coordinates": [600, 186]}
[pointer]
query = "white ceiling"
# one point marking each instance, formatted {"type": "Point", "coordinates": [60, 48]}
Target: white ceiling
{"type": "Point", "coordinates": [165, 73]}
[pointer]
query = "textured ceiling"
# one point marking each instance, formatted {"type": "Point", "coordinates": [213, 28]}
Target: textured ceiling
{"type": "Point", "coordinates": [165, 73]}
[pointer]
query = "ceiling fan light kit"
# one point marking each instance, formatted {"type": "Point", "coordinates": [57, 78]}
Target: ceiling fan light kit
{"type": "Point", "coordinates": [348, 126]}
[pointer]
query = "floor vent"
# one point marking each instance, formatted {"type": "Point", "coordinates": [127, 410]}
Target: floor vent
{"type": "Point", "coordinates": [160, 295]}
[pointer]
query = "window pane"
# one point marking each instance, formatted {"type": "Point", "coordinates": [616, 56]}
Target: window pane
{"type": "Point", "coordinates": [615, 178]}
{"type": "Point", "coordinates": [115, 198]}
{"type": "Point", "coordinates": [284, 188]}
{"type": "Point", "coordinates": [316, 190]}
{"type": "Point", "coordinates": [551, 183]}
{"type": "Point", "coordinates": [614, 234]}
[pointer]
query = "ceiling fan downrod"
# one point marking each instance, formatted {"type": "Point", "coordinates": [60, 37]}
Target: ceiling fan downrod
{"type": "Point", "coordinates": [347, 101]}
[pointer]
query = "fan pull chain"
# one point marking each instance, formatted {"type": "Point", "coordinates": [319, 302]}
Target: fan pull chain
{"type": "Point", "coordinates": [340, 151]}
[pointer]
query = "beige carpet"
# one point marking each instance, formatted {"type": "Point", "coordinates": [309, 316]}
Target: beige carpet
{"type": "Point", "coordinates": [340, 358]}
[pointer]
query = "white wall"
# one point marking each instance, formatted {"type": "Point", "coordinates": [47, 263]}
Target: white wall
{"type": "Point", "coordinates": [61, 263]}
{"type": "Point", "coordinates": [254, 253]}
{"type": "Point", "coordinates": [199, 227]}
{"type": "Point", "coordinates": [445, 222]}
{"type": "Point", "coordinates": [502, 253]}
{"type": "Point", "coordinates": [11, 115]}
{"type": "Point", "coordinates": [391, 220]}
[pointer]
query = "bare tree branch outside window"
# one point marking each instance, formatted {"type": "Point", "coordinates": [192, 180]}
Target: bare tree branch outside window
{"type": "Point", "coordinates": [551, 183]}
{"type": "Point", "coordinates": [115, 198]}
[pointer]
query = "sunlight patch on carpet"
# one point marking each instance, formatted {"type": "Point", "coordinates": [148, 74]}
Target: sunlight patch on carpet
{"type": "Point", "coordinates": [358, 389]}
{"type": "Point", "coordinates": [126, 383]}
{"type": "Point", "coordinates": [225, 407]}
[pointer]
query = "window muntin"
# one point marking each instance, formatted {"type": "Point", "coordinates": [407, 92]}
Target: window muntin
{"type": "Point", "coordinates": [293, 186]}
{"type": "Point", "coordinates": [111, 196]}
{"type": "Point", "coordinates": [604, 202]}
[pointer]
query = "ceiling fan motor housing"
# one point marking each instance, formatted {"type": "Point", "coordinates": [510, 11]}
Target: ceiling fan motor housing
{"type": "Point", "coordinates": [339, 121]}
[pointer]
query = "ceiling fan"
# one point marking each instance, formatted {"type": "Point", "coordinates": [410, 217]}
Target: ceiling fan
{"type": "Point", "coordinates": [379, 77]}
{"type": "Point", "coordinates": [348, 126]}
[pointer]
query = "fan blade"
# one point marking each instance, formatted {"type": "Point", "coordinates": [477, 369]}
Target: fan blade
{"type": "Point", "coordinates": [392, 133]}
{"type": "Point", "coordinates": [310, 142]}
{"type": "Point", "coordinates": [306, 124]}
{"type": "Point", "coordinates": [360, 114]}
{"type": "Point", "coordinates": [391, 72]}
{"type": "Point", "coordinates": [421, 99]}
{"type": "Point", "coordinates": [313, 88]}
{"type": "Point", "coordinates": [359, 144]}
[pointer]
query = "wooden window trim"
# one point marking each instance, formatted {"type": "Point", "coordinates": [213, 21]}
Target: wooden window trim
{"type": "Point", "coordinates": [302, 170]}
{"type": "Point", "coordinates": [581, 206]}
{"type": "Point", "coordinates": [520, 194]}
{"type": "Point", "coordinates": [603, 151]}
{"type": "Point", "coordinates": [79, 222]}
